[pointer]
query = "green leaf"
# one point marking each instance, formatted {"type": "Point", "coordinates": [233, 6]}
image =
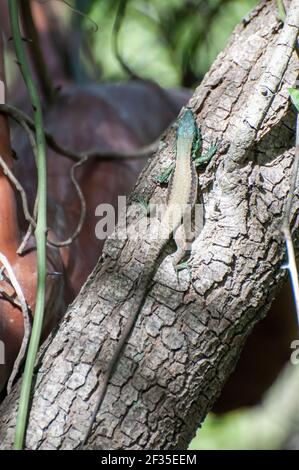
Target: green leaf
{"type": "Point", "coordinates": [294, 94]}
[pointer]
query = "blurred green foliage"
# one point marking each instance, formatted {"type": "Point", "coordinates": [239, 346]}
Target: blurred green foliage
{"type": "Point", "coordinates": [294, 94]}
{"type": "Point", "coordinates": [173, 42]}
{"type": "Point", "coordinates": [246, 429]}
{"type": "Point", "coordinates": [271, 424]}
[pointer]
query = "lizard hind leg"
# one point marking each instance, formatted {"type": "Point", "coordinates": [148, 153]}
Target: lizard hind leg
{"type": "Point", "coordinates": [182, 244]}
{"type": "Point", "coordinates": [183, 237]}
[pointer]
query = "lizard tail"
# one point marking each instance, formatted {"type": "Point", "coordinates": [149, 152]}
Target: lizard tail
{"type": "Point", "coordinates": [144, 286]}
{"type": "Point", "coordinates": [112, 363]}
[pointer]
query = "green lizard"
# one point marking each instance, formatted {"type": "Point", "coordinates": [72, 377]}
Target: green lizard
{"type": "Point", "coordinates": [198, 157]}
{"type": "Point", "coordinates": [182, 191]}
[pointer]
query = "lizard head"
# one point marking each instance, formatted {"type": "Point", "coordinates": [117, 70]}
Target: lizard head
{"type": "Point", "coordinates": [187, 125]}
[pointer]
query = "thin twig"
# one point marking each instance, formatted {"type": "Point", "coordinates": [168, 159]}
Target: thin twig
{"type": "Point", "coordinates": [108, 154]}
{"type": "Point", "coordinates": [74, 10]}
{"type": "Point", "coordinates": [292, 267]}
{"type": "Point", "coordinates": [20, 189]}
{"type": "Point", "coordinates": [31, 220]}
{"type": "Point", "coordinates": [31, 137]}
{"type": "Point", "coordinates": [29, 231]}
{"type": "Point", "coordinates": [26, 319]}
{"type": "Point", "coordinates": [286, 223]}
{"type": "Point", "coordinates": [40, 231]}
{"type": "Point", "coordinates": [37, 54]}
{"type": "Point", "coordinates": [293, 182]}
{"type": "Point", "coordinates": [120, 14]}
{"type": "Point", "coordinates": [78, 229]}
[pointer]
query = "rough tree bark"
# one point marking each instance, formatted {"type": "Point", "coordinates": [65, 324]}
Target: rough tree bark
{"type": "Point", "coordinates": [189, 335]}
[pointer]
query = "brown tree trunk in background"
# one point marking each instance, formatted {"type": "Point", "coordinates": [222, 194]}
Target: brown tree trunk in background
{"type": "Point", "coordinates": [11, 318]}
{"type": "Point", "coordinates": [188, 336]}
{"type": "Point", "coordinates": [9, 233]}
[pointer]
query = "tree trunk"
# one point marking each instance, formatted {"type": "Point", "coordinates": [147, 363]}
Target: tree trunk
{"type": "Point", "coordinates": [189, 334]}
